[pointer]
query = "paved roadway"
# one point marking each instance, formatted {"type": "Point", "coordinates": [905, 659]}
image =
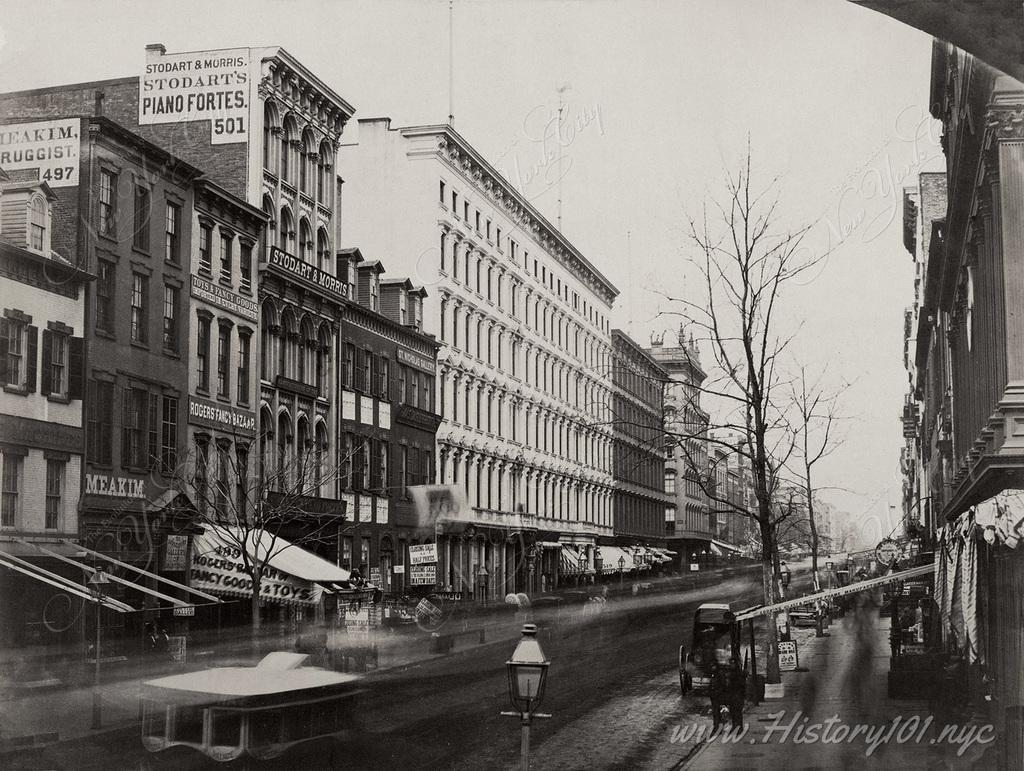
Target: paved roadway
{"type": "Point", "coordinates": [613, 694]}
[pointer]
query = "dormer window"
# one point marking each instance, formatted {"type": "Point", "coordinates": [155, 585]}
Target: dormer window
{"type": "Point", "coordinates": [402, 308]}
{"type": "Point", "coordinates": [374, 291]}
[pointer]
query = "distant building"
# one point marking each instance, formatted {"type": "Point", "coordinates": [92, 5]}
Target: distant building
{"type": "Point", "coordinates": [638, 393]}
{"type": "Point", "coordinates": [689, 524]}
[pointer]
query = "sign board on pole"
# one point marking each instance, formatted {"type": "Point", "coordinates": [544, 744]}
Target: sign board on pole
{"type": "Point", "coordinates": [422, 554]}
{"type": "Point", "coordinates": [788, 658]}
{"type": "Point", "coordinates": [694, 566]}
{"type": "Point", "coordinates": [375, 578]}
{"type": "Point", "coordinates": [184, 610]}
{"type": "Point", "coordinates": [886, 552]}
{"type": "Point", "coordinates": [176, 647]}
{"type": "Point", "coordinates": [398, 569]}
{"type": "Point", "coordinates": [422, 575]}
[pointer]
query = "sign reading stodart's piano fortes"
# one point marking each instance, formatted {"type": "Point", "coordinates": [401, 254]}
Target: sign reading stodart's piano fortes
{"type": "Point", "coordinates": [222, 417]}
{"type": "Point", "coordinates": [307, 273]}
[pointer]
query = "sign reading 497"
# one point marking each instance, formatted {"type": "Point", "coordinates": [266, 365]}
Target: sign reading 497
{"type": "Point", "coordinates": [202, 85]}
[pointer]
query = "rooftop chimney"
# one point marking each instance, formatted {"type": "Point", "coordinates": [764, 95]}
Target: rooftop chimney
{"type": "Point", "coordinates": [156, 47]}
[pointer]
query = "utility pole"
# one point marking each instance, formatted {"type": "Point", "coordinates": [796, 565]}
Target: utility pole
{"type": "Point", "coordinates": [451, 63]}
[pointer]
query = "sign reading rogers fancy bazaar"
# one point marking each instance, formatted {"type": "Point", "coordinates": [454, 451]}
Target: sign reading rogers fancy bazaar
{"type": "Point", "coordinates": [201, 85]}
{"type": "Point", "coordinates": [308, 273]}
{"type": "Point", "coordinates": [50, 146]}
{"type": "Point", "coordinates": [207, 413]}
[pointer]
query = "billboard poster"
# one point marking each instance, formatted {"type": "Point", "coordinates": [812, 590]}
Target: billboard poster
{"type": "Point", "coordinates": [51, 146]}
{"type": "Point", "coordinates": [201, 85]}
{"type": "Point", "coordinates": [422, 554]}
{"type": "Point", "coordinates": [422, 575]}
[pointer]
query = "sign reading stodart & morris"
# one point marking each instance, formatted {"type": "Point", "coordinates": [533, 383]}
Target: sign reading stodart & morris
{"type": "Point", "coordinates": [308, 273]}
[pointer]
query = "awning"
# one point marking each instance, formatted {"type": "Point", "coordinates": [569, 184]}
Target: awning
{"type": "Point", "coordinates": [110, 576]}
{"type": "Point", "coordinates": [60, 582]}
{"type": "Point", "coordinates": [860, 586]}
{"type": "Point", "coordinates": [569, 561]}
{"type": "Point", "coordinates": [611, 556]}
{"type": "Point", "coordinates": [726, 546]}
{"type": "Point", "coordinates": [292, 574]}
{"type": "Point", "coordinates": [715, 550]}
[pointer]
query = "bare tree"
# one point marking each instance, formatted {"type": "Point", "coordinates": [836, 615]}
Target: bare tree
{"type": "Point", "coordinates": [814, 429]}
{"type": "Point", "coordinates": [745, 260]}
{"type": "Point", "coordinates": [250, 502]}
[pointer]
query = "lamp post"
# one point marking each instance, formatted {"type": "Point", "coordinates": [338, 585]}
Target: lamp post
{"type": "Point", "coordinates": [527, 678]}
{"type": "Point", "coordinates": [622, 566]}
{"type": "Point", "coordinates": [99, 580]}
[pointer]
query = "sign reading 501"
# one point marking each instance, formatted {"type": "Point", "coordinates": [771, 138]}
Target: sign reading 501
{"type": "Point", "coordinates": [202, 85]}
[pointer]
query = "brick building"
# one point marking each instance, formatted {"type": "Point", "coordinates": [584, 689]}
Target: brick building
{"type": "Point", "coordinates": [388, 421]}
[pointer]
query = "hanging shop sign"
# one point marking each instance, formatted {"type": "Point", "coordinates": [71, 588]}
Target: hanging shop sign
{"type": "Point", "coordinates": [434, 502]}
{"type": "Point", "coordinates": [422, 553]}
{"type": "Point", "coordinates": [422, 575]}
{"type": "Point", "coordinates": [201, 85]}
{"type": "Point", "coordinates": [789, 660]}
{"type": "Point", "coordinates": [51, 147]}
{"type": "Point", "coordinates": [887, 551]}
{"type": "Point", "coordinates": [176, 553]}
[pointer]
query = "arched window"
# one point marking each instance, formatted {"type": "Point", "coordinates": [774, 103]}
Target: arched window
{"type": "Point", "coordinates": [307, 164]}
{"type": "Point", "coordinates": [268, 235]}
{"type": "Point", "coordinates": [268, 324]}
{"type": "Point", "coordinates": [266, 429]}
{"type": "Point", "coordinates": [286, 345]}
{"type": "Point", "coordinates": [288, 135]}
{"type": "Point", "coordinates": [284, 440]}
{"type": "Point", "coordinates": [323, 361]}
{"type": "Point", "coordinates": [323, 185]}
{"type": "Point", "coordinates": [305, 241]}
{"type": "Point", "coordinates": [305, 350]}
{"type": "Point", "coordinates": [320, 450]}
{"type": "Point", "coordinates": [323, 251]}
{"type": "Point", "coordinates": [286, 230]}
{"type": "Point", "coordinates": [271, 121]}
{"type": "Point", "coordinates": [303, 461]}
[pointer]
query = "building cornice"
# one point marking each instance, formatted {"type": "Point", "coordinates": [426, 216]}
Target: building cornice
{"type": "Point", "coordinates": [467, 161]}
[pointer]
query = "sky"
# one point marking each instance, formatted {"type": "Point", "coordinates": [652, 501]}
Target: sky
{"type": "Point", "coordinates": [659, 99]}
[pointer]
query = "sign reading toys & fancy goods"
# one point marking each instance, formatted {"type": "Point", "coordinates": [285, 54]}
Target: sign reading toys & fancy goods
{"type": "Point", "coordinates": [201, 85]}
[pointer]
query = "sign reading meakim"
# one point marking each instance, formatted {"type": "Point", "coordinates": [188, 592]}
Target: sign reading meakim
{"type": "Point", "coordinates": [50, 146]}
{"type": "Point", "coordinates": [202, 85]}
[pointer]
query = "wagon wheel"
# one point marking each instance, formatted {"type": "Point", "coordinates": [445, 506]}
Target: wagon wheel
{"type": "Point", "coordinates": [685, 682]}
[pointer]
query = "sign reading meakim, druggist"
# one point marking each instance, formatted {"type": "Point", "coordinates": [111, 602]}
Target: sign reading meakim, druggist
{"type": "Point", "coordinates": [51, 146]}
{"type": "Point", "coordinates": [201, 85]}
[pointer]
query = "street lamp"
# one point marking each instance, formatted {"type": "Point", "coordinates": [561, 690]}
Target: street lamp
{"type": "Point", "coordinates": [622, 566]}
{"type": "Point", "coordinates": [527, 678]}
{"type": "Point", "coordinates": [99, 580]}
{"type": "Point", "coordinates": [481, 577]}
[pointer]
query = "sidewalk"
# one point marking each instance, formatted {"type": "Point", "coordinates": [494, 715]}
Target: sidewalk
{"type": "Point", "coordinates": [838, 715]}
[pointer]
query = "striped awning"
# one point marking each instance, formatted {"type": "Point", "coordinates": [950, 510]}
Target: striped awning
{"type": "Point", "coordinates": [569, 561]}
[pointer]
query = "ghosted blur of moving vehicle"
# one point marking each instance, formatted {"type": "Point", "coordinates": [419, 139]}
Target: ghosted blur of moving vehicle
{"type": "Point", "coordinates": [716, 640]}
{"type": "Point", "coordinates": [261, 712]}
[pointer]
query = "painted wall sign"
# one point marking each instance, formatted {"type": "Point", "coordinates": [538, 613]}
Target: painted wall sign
{"type": "Point", "coordinates": [51, 146]}
{"type": "Point", "coordinates": [115, 487]}
{"type": "Point", "coordinates": [201, 85]}
{"type": "Point", "coordinates": [224, 299]}
{"type": "Point", "coordinates": [310, 274]}
{"type": "Point", "coordinates": [202, 412]}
